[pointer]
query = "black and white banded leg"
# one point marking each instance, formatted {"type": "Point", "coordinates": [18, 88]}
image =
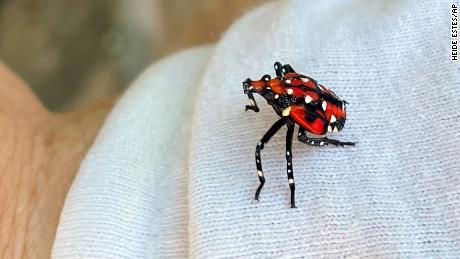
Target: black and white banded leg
{"type": "Point", "coordinates": [273, 129]}
{"type": "Point", "coordinates": [324, 141]}
{"type": "Point", "coordinates": [290, 173]}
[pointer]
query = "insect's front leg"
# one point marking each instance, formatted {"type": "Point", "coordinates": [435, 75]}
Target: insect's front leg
{"type": "Point", "coordinates": [253, 105]}
{"type": "Point", "coordinates": [324, 141]}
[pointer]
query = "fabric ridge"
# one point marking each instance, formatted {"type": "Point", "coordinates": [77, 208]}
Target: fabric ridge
{"type": "Point", "coordinates": [129, 199]}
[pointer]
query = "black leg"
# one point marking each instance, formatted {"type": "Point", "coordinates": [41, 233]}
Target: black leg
{"type": "Point", "coordinates": [273, 129]}
{"type": "Point", "coordinates": [324, 141]}
{"type": "Point", "coordinates": [278, 68]}
{"type": "Point", "coordinates": [253, 105]}
{"type": "Point", "coordinates": [287, 69]}
{"type": "Point", "coordinates": [290, 173]}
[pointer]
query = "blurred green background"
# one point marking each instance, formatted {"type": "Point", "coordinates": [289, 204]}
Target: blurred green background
{"type": "Point", "coordinates": [74, 53]}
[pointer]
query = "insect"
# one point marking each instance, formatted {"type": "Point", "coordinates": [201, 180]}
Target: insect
{"type": "Point", "coordinates": [301, 100]}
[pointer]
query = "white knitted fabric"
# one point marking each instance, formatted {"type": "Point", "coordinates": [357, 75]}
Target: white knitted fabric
{"type": "Point", "coordinates": [172, 173]}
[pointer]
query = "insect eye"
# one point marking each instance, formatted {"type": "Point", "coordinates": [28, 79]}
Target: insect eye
{"type": "Point", "coordinates": [266, 78]}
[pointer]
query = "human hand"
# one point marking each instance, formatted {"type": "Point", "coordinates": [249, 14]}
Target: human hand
{"type": "Point", "coordinates": [40, 152]}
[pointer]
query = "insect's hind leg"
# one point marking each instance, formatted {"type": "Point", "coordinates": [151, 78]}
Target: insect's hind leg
{"type": "Point", "coordinates": [273, 129]}
{"type": "Point", "coordinates": [324, 141]}
{"type": "Point", "coordinates": [290, 173]}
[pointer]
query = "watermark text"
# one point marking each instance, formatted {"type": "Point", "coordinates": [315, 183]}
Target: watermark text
{"type": "Point", "coordinates": [454, 32]}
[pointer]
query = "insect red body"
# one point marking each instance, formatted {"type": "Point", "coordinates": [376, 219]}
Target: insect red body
{"type": "Point", "coordinates": [297, 99]}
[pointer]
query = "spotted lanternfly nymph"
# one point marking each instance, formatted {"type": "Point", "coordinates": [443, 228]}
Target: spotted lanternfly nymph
{"type": "Point", "coordinates": [300, 100]}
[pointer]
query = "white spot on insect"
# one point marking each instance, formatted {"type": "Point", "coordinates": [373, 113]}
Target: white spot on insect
{"type": "Point", "coordinates": [268, 87]}
{"type": "Point", "coordinates": [336, 129]}
{"type": "Point", "coordinates": [333, 119]}
{"type": "Point", "coordinates": [305, 79]}
{"type": "Point", "coordinates": [300, 134]}
{"type": "Point", "coordinates": [250, 88]}
{"type": "Point", "coordinates": [288, 81]}
{"type": "Point", "coordinates": [308, 99]}
{"type": "Point", "coordinates": [287, 153]}
{"type": "Point", "coordinates": [321, 143]}
{"type": "Point", "coordinates": [259, 144]}
{"type": "Point", "coordinates": [286, 111]}
{"type": "Point", "coordinates": [290, 91]}
{"type": "Point", "coordinates": [329, 128]}
{"type": "Point", "coordinates": [291, 180]}
{"type": "Point", "coordinates": [257, 160]}
{"type": "Point", "coordinates": [260, 173]}
{"type": "Point", "coordinates": [289, 170]}
{"type": "Point", "coordinates": [324, 105]}
{"type": "Point", "coordinates": [276, 96]}
{"type": "Point", "coordinates": [251, 101]}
